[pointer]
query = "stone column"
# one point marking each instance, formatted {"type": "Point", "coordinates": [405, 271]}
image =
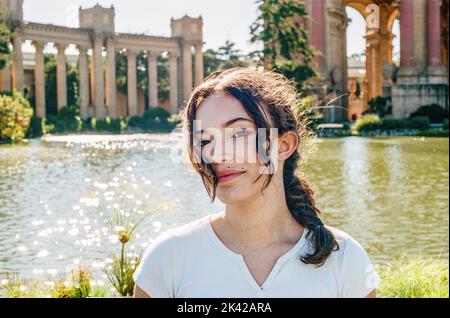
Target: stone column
{"type": "Point", "coordinates": [198, 64]}
{"type": "Point", "coordinates": [436, 70]}
{"type": "Point", "coordinates": [83, 72]}
{"type": "Point", "coordinates": [5, 78]}
{"type": "Point", "coordinates": [132, 83]}
{"type": "Point", "coordinates": [420, 26]}
{"type": "Point", "coordinates": [406, 34]}
{"type": "Point", "coordinates": [17, 65]}
{"type": "Point", "coordinates": [335, 58]}
{"type": "Point", "coordinates": [98, 77]}
{"type": "Point", "coordinates": [61, 75]}
{"type": "Point", "coordinates": [111, 78]}
{"type": "Point", "coordinates": [318, 29]}
{"type": "Point", "coordinates": [173, 60]}
{"type": "Point", "coordinates": [39, 79]}
{"type": "Point", "coordinates": [434, 33]}
{"type": "Point", "coordinates": [152, 78]}
{"type": "Point", "coordinates": [187, 70]}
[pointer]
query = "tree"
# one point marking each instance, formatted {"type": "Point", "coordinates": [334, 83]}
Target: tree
{"type": "Point", "coordinates": [15, 116]}
{"type": "Point", "coordinates": [5, 39]}
{"type": "Point", "coordinates": [280, 26]}
{"type": "Point", "coordinates": [51, 99]}
{"type": "Point", "coordinates": [379, 105]}
{"type": "Point", "coordinates": [142, 74]}
{"type": "Point", "coordinates": [226, 57]}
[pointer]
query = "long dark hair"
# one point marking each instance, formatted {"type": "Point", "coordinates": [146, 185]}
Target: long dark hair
{"type": "Point", "coordinates": [270, 100]}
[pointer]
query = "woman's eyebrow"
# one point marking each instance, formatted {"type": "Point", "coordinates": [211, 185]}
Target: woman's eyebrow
{"type": "Point", "coordinates": [232, 121]}
{"type": "Point", "coordinates": [227, 123]}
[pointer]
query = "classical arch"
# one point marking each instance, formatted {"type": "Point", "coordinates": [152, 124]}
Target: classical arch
{"type": "Point", "coordinates": [422, 47]}
{"type": "Point", "coordinates": [378, 41]}
{"type": "Point", "coordinates": [97, 73]}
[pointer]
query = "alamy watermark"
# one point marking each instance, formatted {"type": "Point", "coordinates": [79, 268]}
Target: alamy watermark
{"type": "Point", "coordinates": [259, 146]}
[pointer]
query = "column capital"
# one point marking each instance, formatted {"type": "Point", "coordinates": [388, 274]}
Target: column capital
{"type": "Point", "coordinates": [38, 45]}
{"type": "Point", "coordinates": [153, 54]}
{"type": "Point", "coordinates": [82, 48]}
{"type": "Point", "coordinates": [198, 45]}
{"type": "Point", "coordinates": [131, 51]}
{"type": "Point", "coordinates": [61, 47]}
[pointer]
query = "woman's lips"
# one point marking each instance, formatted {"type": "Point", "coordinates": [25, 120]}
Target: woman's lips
{"type": "Point", "coordinates": [229, 177]}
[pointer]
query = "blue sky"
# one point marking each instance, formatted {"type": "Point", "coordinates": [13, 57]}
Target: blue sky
{"type": "Point", "coordinates": [222, 20]}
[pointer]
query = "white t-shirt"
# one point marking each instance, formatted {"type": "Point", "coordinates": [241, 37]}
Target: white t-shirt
{"type": "Point", "coordinates": [190, 261]}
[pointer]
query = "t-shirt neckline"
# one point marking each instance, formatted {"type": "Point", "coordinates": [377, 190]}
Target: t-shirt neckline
{"type": "Point", "coordinates": [291, 252]}
{"type": "Point", "coordinates": [240, 259]}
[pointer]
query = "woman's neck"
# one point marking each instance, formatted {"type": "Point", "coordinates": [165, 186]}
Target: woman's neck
{"type": "Point", "coordinates": [260, 222]}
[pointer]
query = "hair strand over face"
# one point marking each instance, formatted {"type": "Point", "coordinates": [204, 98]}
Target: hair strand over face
{"type": "Point", "coordinates": [271, 101]}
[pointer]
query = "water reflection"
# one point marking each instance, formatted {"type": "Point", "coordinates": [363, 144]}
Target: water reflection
{"type": "Point", "coordinates": [390, 194]}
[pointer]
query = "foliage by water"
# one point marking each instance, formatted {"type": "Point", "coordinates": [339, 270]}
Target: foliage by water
{"type": "Point", "coordinates": [415, 278]}
{"type": "Point", "coordinates": [434, 112]}
{"type": "Point", "coordinates": [15, 116]}
{"type": "Point", "coordinates": [77, 284]}
{"type": "Point", "coordinates": [124, 220]}
{"type": "Point", "coordinates": [373, 122]}
{"type": "Point", "coordinates": [68, 120]}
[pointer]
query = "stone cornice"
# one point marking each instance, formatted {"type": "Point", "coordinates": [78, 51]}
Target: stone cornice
{"type": "Point", "coordinates": [147, 38]}
{"type": "Point", "coordinates": [54, 28]}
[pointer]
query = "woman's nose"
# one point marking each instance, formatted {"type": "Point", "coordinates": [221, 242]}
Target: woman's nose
{"type": "Point", "coordinates": [220, 152]}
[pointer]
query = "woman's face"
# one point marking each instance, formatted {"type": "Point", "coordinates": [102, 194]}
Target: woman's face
{"type": "Point", "coordinates": [227, 137]}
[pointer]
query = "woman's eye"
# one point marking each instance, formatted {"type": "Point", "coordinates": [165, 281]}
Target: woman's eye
{"type": "Point", "coordinates": [241, 133]}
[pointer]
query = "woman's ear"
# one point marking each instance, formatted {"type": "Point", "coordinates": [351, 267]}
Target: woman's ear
{"type": "Point", "coordinates": [287, 144]}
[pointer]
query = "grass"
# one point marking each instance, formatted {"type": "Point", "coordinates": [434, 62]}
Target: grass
{"type": "Point", "coordinates": [75, 285]}
{"type": "Point", "coordinates": [414, 278]}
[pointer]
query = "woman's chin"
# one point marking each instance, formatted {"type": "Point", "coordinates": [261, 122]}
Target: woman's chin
{"type": "Point", "coordinates": [231, 195]}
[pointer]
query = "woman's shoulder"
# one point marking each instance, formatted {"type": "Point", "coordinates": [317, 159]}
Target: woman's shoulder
{"type": "Point", "coordinates": [159, 269]}
{"type": "Point", "coordinates": [182, 234]}
{"type": "Point", "coordinates": [357, 273]}
{"type": "Point", "coordinates": [344, 239]}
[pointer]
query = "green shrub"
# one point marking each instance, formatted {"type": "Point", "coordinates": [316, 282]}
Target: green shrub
{"type": "Point", "coordinates": [136, 122]}
{"type": "Point", "coordinates": [67, 120]}
{"type": "Point", "coordinates": [109, 125]}
{"type": "Point", "coordinates": [69, 112]}
{"type": "Point", "coordinates": [368, 123]}
{"type": "Point", "coordinates": [156, 112]}
{"type": "Point", "coordinates": [393, 124]}
{"type": "Point", "coordinates": [419, 122]}
{"type": "Point", "coordinates": [434, 112]}
{"type": "Point", "coordinates": [414, 278]}
{"type": "Point", "coordinates": [15, 116]}
{"type": "Point", "coordinates": [36, 127]}
{"type": "Point", "coordinates": [64, 125]}
{"type": "Point", "coordinates": [175, 119]}
{"type": "Point", "coordinates": [380, 106]}
{"type": "Point", "coordinates": [432, 133]}
{"type": "Point", "coordinates": [91, 123]}
{"type": "Point", "coordinates": [445, 124]}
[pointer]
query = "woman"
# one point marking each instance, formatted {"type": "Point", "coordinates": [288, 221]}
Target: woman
{"type": "Point", "coordinates": [269, 241]}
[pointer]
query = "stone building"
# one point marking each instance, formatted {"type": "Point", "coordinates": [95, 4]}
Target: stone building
{"type": "Point", "coordinates": [97, 43]}
{"type": "Point", "coordinates": [423, 74]}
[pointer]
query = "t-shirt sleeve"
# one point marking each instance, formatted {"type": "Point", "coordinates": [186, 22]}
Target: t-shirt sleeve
{"type": "Point", "coordinates": [359, 277]}
{"type": "Point", "coordinates": [156, 273]}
